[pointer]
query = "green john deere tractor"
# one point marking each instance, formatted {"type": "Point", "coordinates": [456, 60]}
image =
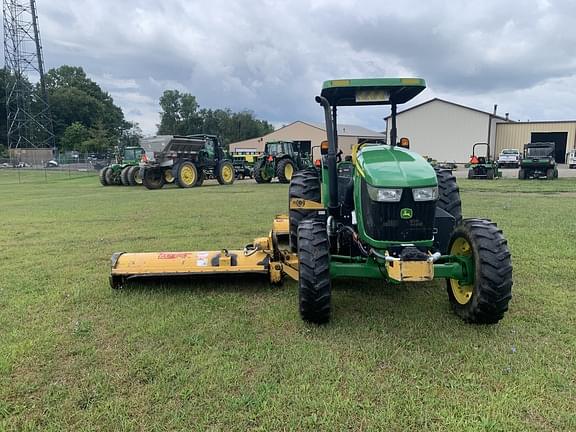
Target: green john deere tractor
{"type": "Point", "coordinates": [280, 159]}
{"type": "Point", "coordinates": [392, 217]}
{"type": "Point", "coordinates": [125, 171]}
{"type": "Point", "coordinates": [481, 165]}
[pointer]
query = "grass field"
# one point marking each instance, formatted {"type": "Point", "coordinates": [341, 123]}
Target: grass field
{"type": "Point", "coordinates": [234, 354]}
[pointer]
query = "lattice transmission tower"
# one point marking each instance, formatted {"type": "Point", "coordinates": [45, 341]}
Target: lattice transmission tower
{"type": "Point", "coordinates": [28, 112]}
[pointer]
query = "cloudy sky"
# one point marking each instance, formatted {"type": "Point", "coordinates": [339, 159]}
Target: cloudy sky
{"type": "Point", "coordinates": [271, 56]}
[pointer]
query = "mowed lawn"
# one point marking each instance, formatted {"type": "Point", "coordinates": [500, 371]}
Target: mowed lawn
{"type": "Point", "coordinates": [233, 354]}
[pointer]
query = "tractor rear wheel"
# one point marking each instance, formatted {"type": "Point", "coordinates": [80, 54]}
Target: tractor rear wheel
{"type": "Point", "coordinates": [449, 194]}
{"type": "Point", "coordinates": [305, 185]}
{"type": "Point", "coordinates": [314, 290]}
{"type": "Point", "coordinates": [134, 178]}
{"type": "Point", "coordinates": [111, 177]}
{"type": "Point", "coordinates": [225, 173]}
{"type": "Point", "coordinates": [260, 174]}
{"type": "Point", "coordinates": [485, 300]}
{"type": "Point", "coordinates": [285, 170]}
{"type": "Point", "coordinates": [153, 179]}
{"type": "Point", "coordinates": [187, 175]}
{"type": "Point", "coordinates": [124, 176]}
{"type": "Point", "coordinates": [102, 176]}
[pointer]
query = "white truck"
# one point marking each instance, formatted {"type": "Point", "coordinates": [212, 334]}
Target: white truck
{"type": "Point", "coordinates": [571, 159]}
{"type": "Point", "coordinates": [509, 158]}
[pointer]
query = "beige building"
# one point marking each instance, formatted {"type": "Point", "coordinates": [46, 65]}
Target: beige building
{"type": "Point", "coordinates": [516, 134]}
{"type": "Point", "coordinates": [308, 135]}
{"type": "Point", "coordinates": [444, 130]}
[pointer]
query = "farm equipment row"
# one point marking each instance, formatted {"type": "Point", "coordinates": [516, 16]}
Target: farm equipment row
{"type": "Point", "coordinates": [385, 214]}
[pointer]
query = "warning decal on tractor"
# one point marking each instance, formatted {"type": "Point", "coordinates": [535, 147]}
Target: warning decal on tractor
{"type": "Point", "coordinates": [173, 255]}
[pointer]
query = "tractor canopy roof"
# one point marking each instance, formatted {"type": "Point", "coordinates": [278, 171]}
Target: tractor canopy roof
{"type": "Point", "coordinates": [371, 91]}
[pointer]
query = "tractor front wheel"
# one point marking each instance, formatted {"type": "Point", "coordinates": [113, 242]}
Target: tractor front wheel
{"type": "Point", "coordinates": [314, 288]}
{"type": "Point", "coordinates": [260, 174]}
{"type": "Point", "coordinates": [102, 176]}
{"type": "Point", "coordinates": [153, 179]}
{"type": "Point", "coordinates": [201, 177]}
{"type": "Point", "coordinates": [225, 173]}
{"type": "Point", "coordinates": [485, 300]}
{"type": "Point", "coordinates": [284, 171]}
{"type": "Point", "coordinates": [187, 175]}
{"type": "Point", "coordinates": [521, 174]}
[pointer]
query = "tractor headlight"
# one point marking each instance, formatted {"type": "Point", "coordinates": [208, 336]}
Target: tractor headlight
{"type": "Point", "coordinates": [384, 194]}
{"type": "Point", "coordinates": [425, 194]}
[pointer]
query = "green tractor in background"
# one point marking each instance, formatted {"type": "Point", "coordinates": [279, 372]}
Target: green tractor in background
{"type": "Point", "coordinates": [125, 171]}
{"type": "Point", "coordinates": [539, 161]}
{"type": "Point", "coordinates": [483, 167]}
{"type": "Point", "coordinates": [390, 215]}
{"type": "Point", "coordinates": [280, 159]}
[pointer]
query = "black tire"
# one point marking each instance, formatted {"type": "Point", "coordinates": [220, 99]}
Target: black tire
{"type": "Point", "coordinates": [201, 177]}
{"type": "Point", "coordinates": [258, 169]}
{"type": "Point", "coordinates": [490, 173]}
{"type": "Point", "coordinates": [102, 176]}
{"type": "Point", "coordinates": [305, 184]}
{"type": "Point", "coordinates": [111, 179]}
{"type": "Point", "coordinates": [283, 177]}
{"type": "Point", "coordinates": [187, 175]}
{"type": "Point", "coordinates": [449, 194]}
{"type": "Point", "coordinates": [521, 174]}
{"type": "Point", "coordinates": [486, 300]}
{"type": "Point", "coordinates": [153, 179]}
{"type": "Point", "coordinates": [134, 178]}
{"type": "Point", "coordinates": [225, 173]}
{"type": "Point", "coordinates": [124, 176]}
{"type": "Point", "coordinates": [314, 288]}
{"type": "Point", "coordinates": [550, 174]}
{"type": "Point", "coordinates": [470, 174]}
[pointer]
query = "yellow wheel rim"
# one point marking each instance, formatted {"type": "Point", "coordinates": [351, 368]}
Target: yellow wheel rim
{"type": "Point", "coordinates": [227, 173]}
{"type": "Point", "coordinates": [462, 293]}
{"type": "Point", "coordinates": [168, 176]}
{"type": "Point", "coordinates": [188, 175]}
{"type": "Point", "coordinates": [138, 177]}
{"type": "Point", "coordinates": [288, 171]}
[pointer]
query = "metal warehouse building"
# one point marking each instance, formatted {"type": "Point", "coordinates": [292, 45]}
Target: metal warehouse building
{"type": "Point", "coordinates": [308, 135]}
{"type": "Point", "coordinates": [516, 134]}
{"type": "Point", "coordinates": [446, 131]}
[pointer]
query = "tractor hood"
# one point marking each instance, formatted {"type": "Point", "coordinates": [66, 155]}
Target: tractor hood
{"type": "Point", "coordinates": [387, 166]}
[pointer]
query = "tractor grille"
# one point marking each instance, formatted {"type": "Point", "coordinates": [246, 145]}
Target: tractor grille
{"type": "Point", "coordinates": [382, 220]}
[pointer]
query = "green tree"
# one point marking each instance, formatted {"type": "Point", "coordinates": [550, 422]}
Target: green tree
{"type": "Point", "coordinates": [181, 114]}
{"type": "Point", "coordinates": [74, 136]}
{"type": "Point", "coordinates": [99, 140]}
{"type": "Point", "coordinates": [76, 98]}
{"type": "Point", "coordinates": [131, 137]}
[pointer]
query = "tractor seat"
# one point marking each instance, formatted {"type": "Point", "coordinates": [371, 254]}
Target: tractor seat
{"type": "Point", "coordinates": [482, 160]}
{"type": "Point", "coordinates": [346, 192]}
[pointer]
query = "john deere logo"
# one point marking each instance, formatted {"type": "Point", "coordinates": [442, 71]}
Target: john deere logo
{"type": "Point", "coordinates": [406, 213]}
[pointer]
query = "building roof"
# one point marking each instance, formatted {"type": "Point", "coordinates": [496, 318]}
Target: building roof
{"type": "Point", "coordinates": [349, 130]}
{"type": "Point", "coordinates": [450, 103]}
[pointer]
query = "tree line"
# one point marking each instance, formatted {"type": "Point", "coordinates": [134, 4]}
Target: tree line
{"type": "Point", "coordinates": [86, 119]}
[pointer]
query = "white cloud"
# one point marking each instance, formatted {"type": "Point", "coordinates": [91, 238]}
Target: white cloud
{"type": "Point", "coordinates": [271, 56]}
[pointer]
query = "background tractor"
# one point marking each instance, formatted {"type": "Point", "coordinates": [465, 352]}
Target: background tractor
{"type": "Point", "coordinates": [280, 159]}
{"type": "Point", "coordinates": [538, 161]}
{"type": "Point", "coordinates": [125, 171]}
{"type": "Point", "coordinates": [482, 166]}
{"type": "Point", "coordinates": [385, 214]}
{"type": "Point", "coordinates": [184, 160]}
{"type": "Point", "coordinates": [244, 164]}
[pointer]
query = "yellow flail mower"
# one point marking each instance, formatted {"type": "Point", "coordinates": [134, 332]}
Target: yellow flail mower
{"type": "Point", "coordinates": [266, 255]}
{"type": "Point", "coordinates": [384, 214]}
